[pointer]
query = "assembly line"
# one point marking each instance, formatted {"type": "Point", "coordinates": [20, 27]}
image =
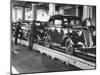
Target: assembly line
{"type": "Point", "coordinates": [52, 37]}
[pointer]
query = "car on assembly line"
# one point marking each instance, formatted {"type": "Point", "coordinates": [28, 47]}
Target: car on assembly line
{"type": "Point", "coordinates": [69, 33]}
{"type": "Point", "coordinates": [40, 26]}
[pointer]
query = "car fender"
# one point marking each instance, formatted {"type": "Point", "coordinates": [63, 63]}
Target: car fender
{"type": "Point", "coordinates": [65, 37]}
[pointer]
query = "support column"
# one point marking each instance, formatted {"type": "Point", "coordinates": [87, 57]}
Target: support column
{"type": "Point", "coordinates": [51, 9]}
{"type": "Point", "coordinates": [15, 14]}
{"type": "Point", "coordinates": [91, 12]}
{"type": "Point", "coordinates": [11, 12]}
{"type": "Point", "coordinates": [77, 11]}
{"type": "Point", "coordinates": [23, 13]}
{"type": "Point", "coordinates": [34, 11]}
{"type": "Point", "coordinates": [85, 12]}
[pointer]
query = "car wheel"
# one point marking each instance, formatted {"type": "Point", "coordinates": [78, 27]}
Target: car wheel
{"type": "Point", "coordinates": [69, 46]}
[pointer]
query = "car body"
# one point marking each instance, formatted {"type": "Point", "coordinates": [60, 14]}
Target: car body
{"type": "Point", "coordinates": [40, 26]}
{"type": "Point", "coordinates": [67, 32]}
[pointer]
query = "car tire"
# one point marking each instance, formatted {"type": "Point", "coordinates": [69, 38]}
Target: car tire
{"type": "Point", "coordinates": [69, 46]}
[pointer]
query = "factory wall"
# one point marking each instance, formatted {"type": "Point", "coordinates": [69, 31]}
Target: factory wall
{"type": "Point", "coordinates": [43, 15]}
{"type": "Point", "coordinates": [16, 13]}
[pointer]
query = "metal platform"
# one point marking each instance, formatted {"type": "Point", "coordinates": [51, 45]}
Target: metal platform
{"type": "Point", "coordinates": [68, 59]}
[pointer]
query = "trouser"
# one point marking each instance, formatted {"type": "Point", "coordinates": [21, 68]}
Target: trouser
{"type": "Point", "coordinates": [16, 37]}
{"type": "Point", "coordinates": [31, 40]}
{"type": "Point", "coordinates": [21, 35]}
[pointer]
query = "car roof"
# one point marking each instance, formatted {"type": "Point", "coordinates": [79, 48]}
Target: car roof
{"type": "Point", "coordinates": [64, 16]}
{"type": "Point", "coordinates": [37, 21]}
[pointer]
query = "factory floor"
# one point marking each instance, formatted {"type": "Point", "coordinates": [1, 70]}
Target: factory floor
{"type": "Point", "coordinates": [25, 60]}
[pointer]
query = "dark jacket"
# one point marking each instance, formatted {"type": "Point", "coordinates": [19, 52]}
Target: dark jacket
{"type": "Point", "coordinates": [17, 28]}
{"type": "Point", "coordinates": [33, 31]}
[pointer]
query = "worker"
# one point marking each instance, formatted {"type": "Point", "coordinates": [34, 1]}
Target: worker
{"type": "Point", "coordinates": [17, 31]}
{"type": "Point", "coordinates": [32, 34]}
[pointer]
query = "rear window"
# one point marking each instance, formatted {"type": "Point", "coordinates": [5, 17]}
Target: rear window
{"type": "Point", "coordinates": [75, 22]}
{"type": "Point", "coordinates": [72, 22]}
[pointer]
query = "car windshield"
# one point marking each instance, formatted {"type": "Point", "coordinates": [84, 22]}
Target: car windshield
{"type": "Point", "coordinates": [58, 23]}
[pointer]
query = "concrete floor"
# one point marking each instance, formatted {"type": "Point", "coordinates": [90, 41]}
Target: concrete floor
{"type": "Point", "coordinates": [29, 61]}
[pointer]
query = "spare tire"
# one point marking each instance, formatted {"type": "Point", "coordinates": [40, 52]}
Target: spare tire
{"type": "Point", "coordinates": [69, 46]}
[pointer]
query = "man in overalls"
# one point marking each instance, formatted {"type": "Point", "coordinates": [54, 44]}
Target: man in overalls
{"type": "Point", "coordinates": [32, 34]}
{"type": "Point", "coordinates": [17, 31]}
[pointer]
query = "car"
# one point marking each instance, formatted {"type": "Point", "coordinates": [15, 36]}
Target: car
{"type": "Point", "coordinates": [68, 32]}
{"type": "Point", "coordinates": [25, 29]}
{"type": "Point", "coordinates": [40, 25]}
